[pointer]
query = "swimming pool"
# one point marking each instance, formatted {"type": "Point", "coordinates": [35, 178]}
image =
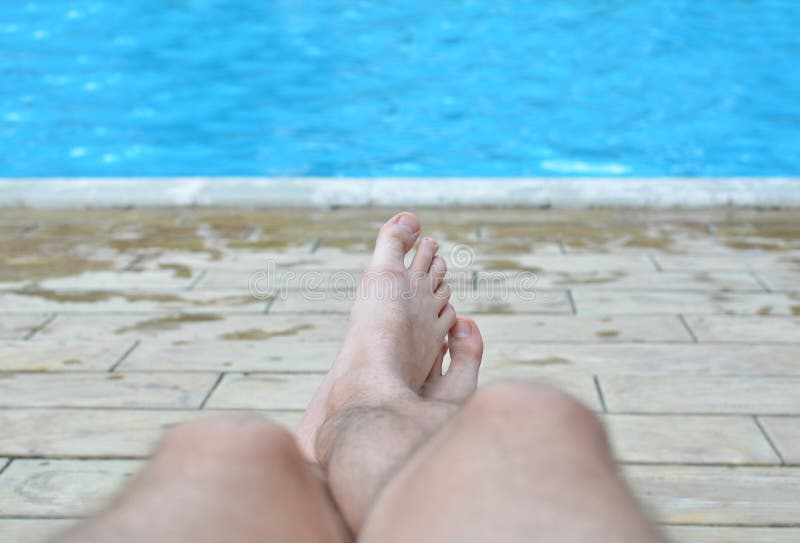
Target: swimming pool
{"type": "Point", "coordinates": [414, 88]}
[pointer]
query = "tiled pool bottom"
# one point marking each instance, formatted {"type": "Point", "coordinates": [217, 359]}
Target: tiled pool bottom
{"type": "Point", "coordinates": [679, 328]}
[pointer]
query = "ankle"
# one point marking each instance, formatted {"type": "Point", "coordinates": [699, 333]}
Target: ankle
{"type": "Point", "coordinates": [360, 448]}
{"type": "Point", "coordinates": [357, 401]}
{"type": "Point", "coordinates": [366, 388]}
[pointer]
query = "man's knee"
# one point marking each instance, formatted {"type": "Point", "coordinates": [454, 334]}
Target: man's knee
{"type": "Point", "coordinates": [231, 438]}
{"type": "Point", "coordinates": [535, 409]}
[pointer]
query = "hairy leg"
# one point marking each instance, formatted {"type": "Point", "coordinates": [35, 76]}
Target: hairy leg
{"type": "Point", "coordinates": [234, 478]}
{"type": "Point", "coordinates": [518, 462]}
{"type": "Point", "coordinates": [366, 441]}
{"type": "Point", "coordinates": [385, 392]}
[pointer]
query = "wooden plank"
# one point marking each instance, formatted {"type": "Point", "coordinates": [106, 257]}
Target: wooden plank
{"type": "Point", "coordinates": [785, 435]}
{"type": "Point", "coordinates": [62, 355]}
{"type": "Point", "coordinates": [688, 439]}
{"type": "Point", "coordinates": [701, 394]}
{"type": "Point", "coordinates": [20, 326]}
{"type": "Point", "coordinates": [781, 280]}
{"type": "Point", "coordinates": [114, 280]}
{"type": "Point", "coordinates": [238, 356]}
{"type": "Point", "coordinates": [783, 261]}
{"type": "Point", "coordinates": [254, 260]}
{"type": "Point", "coordinates": [166, 390]}
{"type": "Point", "coordinates": [747, 329]}
{"type": "Point", "coordinates": [581, 328]}
{"type": "Point", "coordinates": [759, 496]}
{"type": "Point", "coordinates": [507, 301]}
{"type": "Point", "coordinates": [130, 301]}
{"type": "Point", "coordinates": [649, 358]}
{"type": "Point", "coordinates": [268, 280]}
{"type": "Point", "coordinates": [279, 391]}
{"type": "Point", "coordinates": [652, 280]}
{"type": "Point", "coordinates": [63, 488]}
{"type": "Point", "coordinates": [541, 245]}
{"type": "Point", "coordinates": [615, 302]}
{"type": "Point", "coordinates": [100, 433]}
{"type": "Point", "coordinates": [568, 263]}
{"type": "Point", "coordinates": [527, 217]}
{"type": "Point", "coordinates": [21, 530]}
{"type": "Point", "coordinates": [181, 328]}
{"type": "Point", "coordinates": [732, 534]}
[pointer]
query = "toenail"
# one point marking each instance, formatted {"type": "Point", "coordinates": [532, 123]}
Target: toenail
{"type": "Point", "coordinates": [407, 223]}
{"type": "Point", "coordinates": [462, 329]}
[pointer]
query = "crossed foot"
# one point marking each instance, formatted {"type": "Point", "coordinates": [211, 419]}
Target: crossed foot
{"type": "Point", "coordinates": [385, 392]}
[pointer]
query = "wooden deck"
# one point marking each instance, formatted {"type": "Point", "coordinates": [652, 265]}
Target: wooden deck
{"type": "Point", "coordinates": [681, 328]}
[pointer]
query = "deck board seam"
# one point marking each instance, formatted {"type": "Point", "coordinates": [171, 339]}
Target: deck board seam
{"type": "Point", "coordinates": [769, 440]}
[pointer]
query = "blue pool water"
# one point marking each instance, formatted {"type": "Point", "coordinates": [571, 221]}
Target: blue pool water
{"type": "Point", "coordinates": [390, 88]}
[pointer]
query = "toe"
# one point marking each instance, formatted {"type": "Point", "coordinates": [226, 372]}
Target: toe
{"type": "Point", "coordinates": [395, 239]}
{"type": "Point", "coordinates": [438, 271]}
{"type": "Point", "coordinates": [442, 295]}
{"type": "Point", "coordinates": [447, 318]}
{"type": "Point", "coordinates": [436, 371]}
{"type": "Point", "coordinates": [424, 256]}
{"type": "Point", "coordinates": [466, 349]}
{"type": "Point", "coordinates": [466, 345]}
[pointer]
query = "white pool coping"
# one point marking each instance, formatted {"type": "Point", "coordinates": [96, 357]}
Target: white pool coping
{"type": "Point", "coordinates": [327, 192]}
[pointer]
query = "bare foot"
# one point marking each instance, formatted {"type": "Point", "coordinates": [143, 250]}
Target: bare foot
{"type": "Point", "coordinates": [396, 328]}
{"type": "Point", "coordinates": [385, 392]}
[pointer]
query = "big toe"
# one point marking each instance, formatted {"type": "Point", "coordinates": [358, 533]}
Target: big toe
{"type": "Point", "coordinates": [395, 239]}
{"type": "Point", "coordinates": [466, 350]}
